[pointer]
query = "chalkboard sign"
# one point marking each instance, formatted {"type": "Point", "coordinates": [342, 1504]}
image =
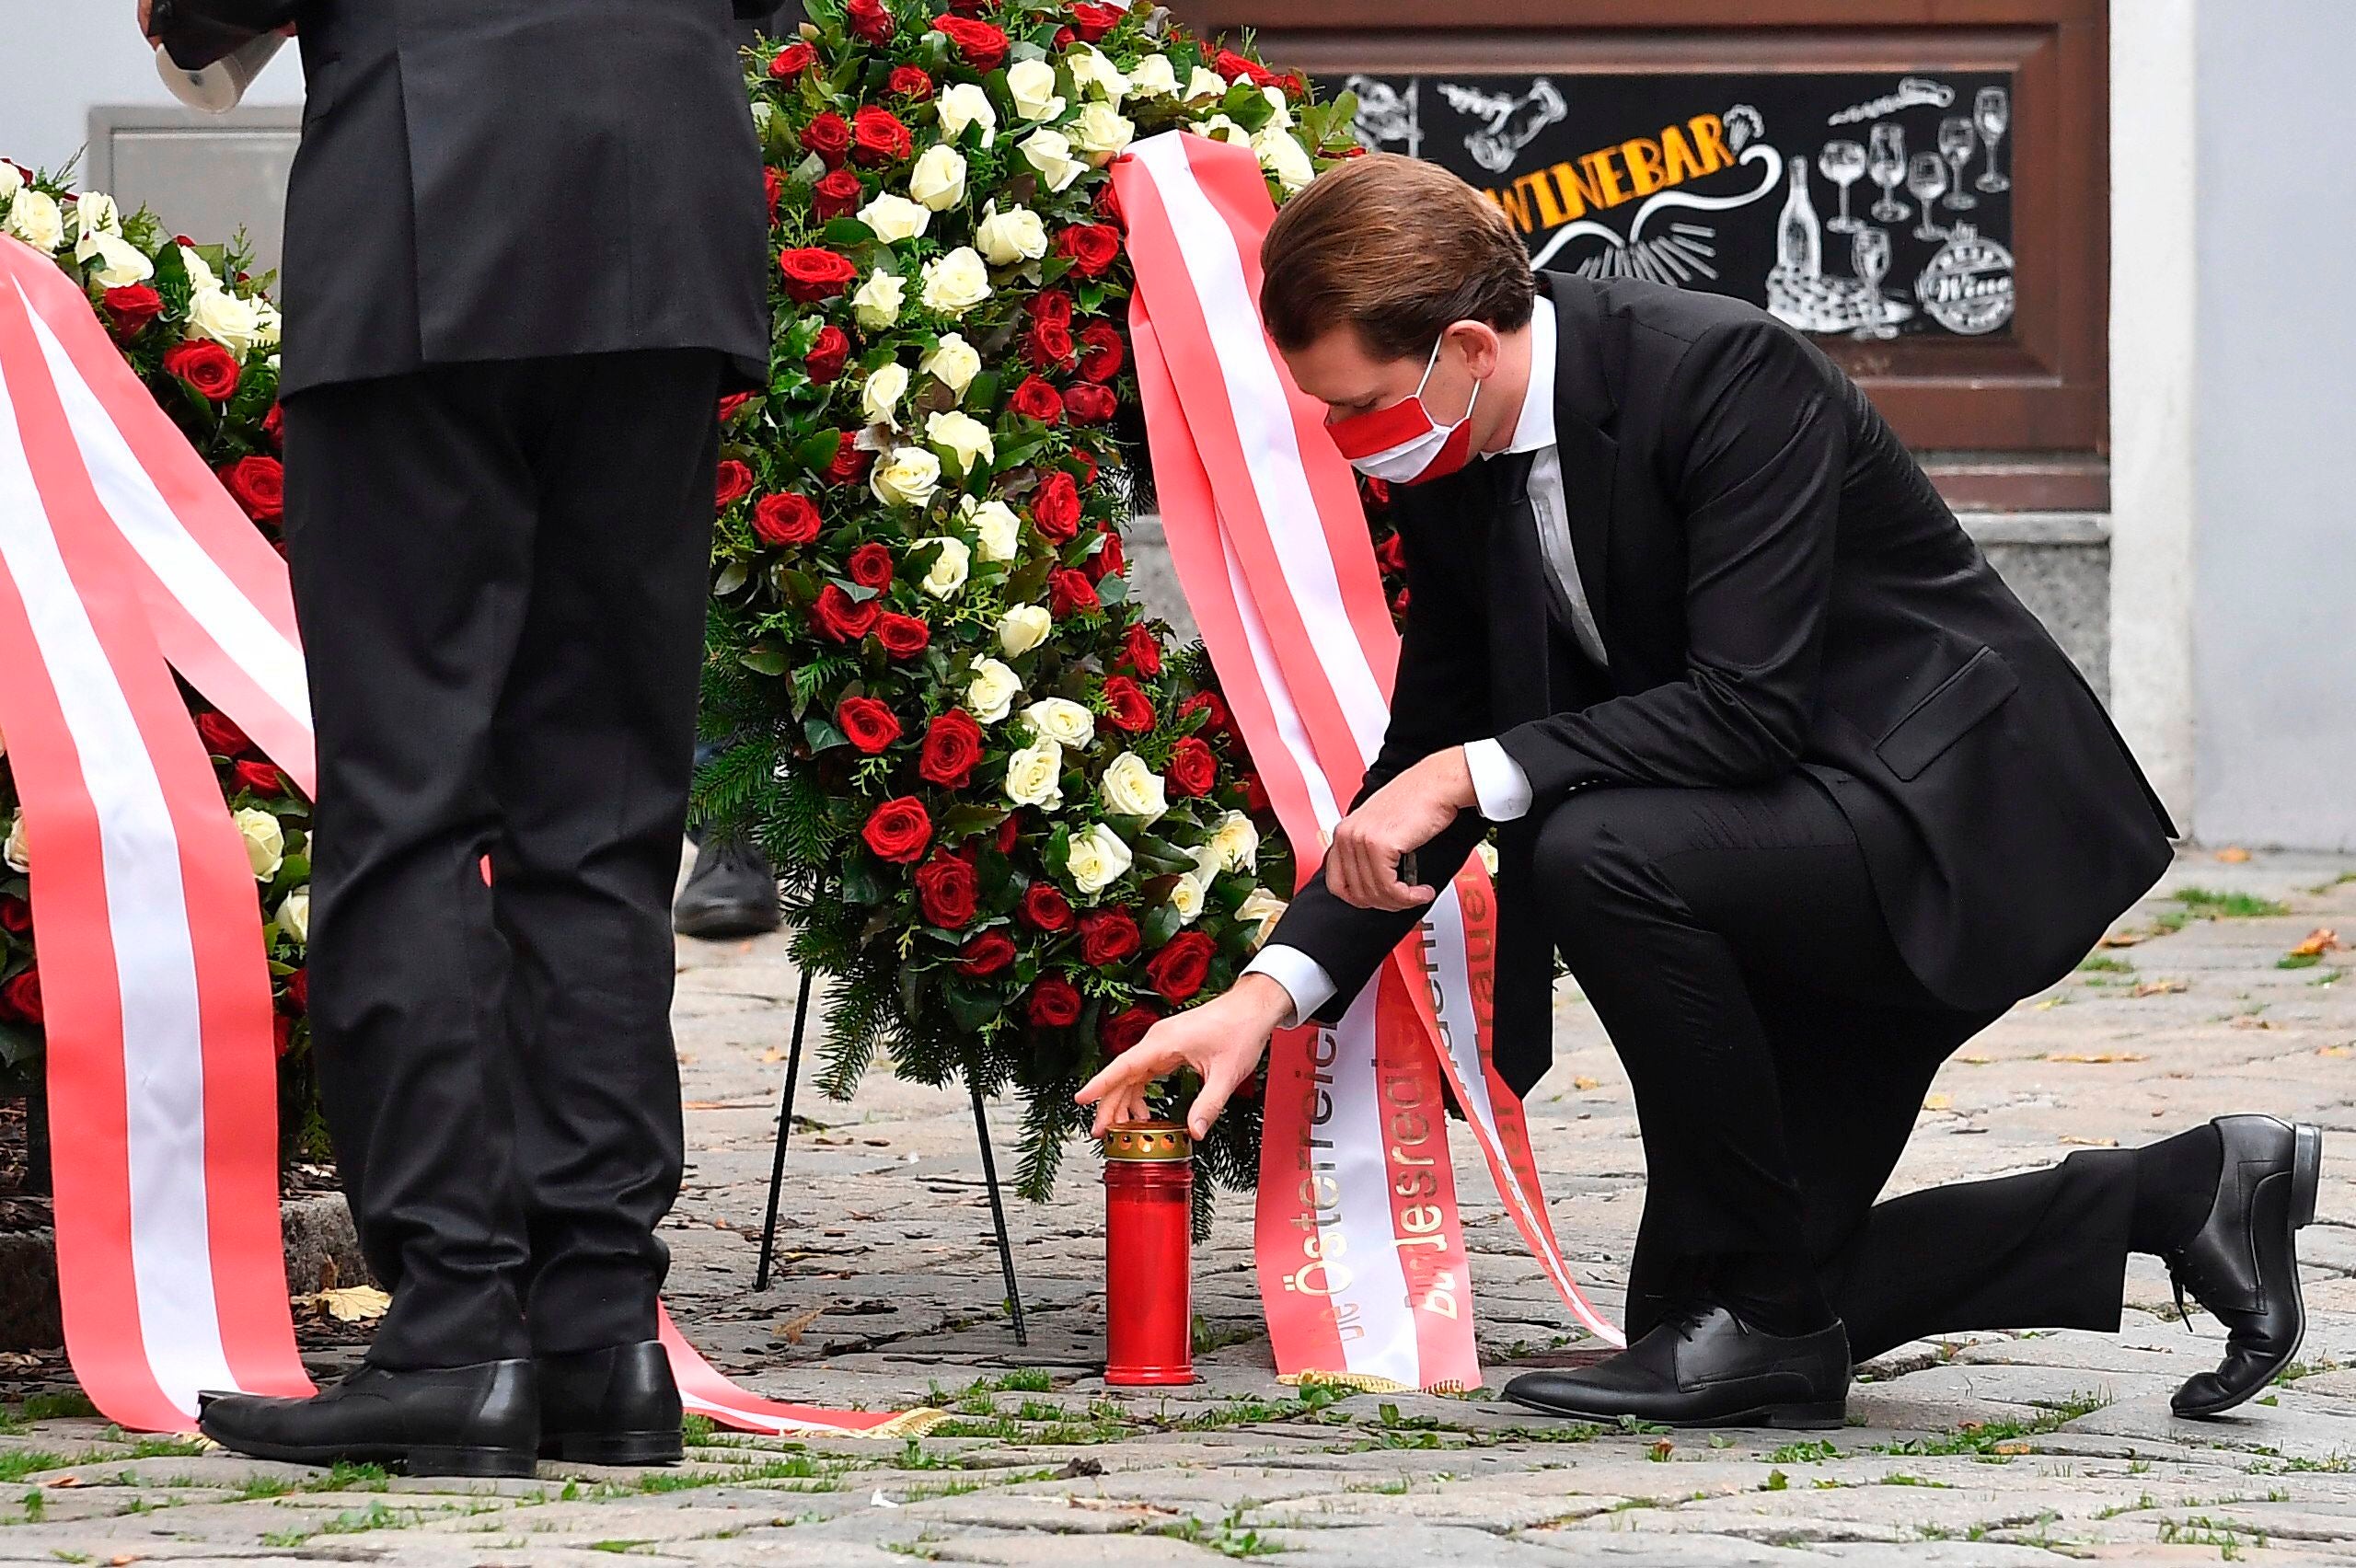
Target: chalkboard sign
{"type": "Point", "coordinates": [1863, 203]}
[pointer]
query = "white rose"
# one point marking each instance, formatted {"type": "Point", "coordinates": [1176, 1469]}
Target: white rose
{"type": "Point", "coordinates": [939, 178]}
{"type": "Point", "coordinates": [34, 218]}
{"type": "Point", "coordinates": [1204, 83]}
{"type": "Point", "coordinates": [892, 218]}
{"type": "Point", "coordinates": [93, 214]}
{"type": "Point", "coordinates": [265, 841]}
{"type": "Point", "coordinates": [956, 282]}
{"type": "Point", "coordinates": [200, 276]}
{"type": "Point", "coordinates": [1219, 128]}
{"type": "Point", "coordinates": [907, 476]}
{"type": "Point", "coordinates": [1000, 533]}
{"type": "Point", "coordinates": [1153, 78]}
{"type": "Point", "coordinates": [961, 436]}
{"type": "Point", "coordinates": [964, 105]}
{"type": "Point", "coordinates": [1034, 776]}
{"type": "Point", "coordinates": [266, 323]}
{"type": "Point", "coordinates": [1023, 627]}
{"type": "Point", "coordinates": [1238, 842]}
{"type": "Point", "coordinates": [877, 304]}
{"type": "Point", "coordinates": [227, 319]}
{"type": "Point", "coordinates": [950, 568]}
{"type": "Point", "coordinates": [294, 917]}
{"type": "Point", "coordinates": [1062, 721]}
{"type": "Point", "coordinates": [885, 385]}
{"type": "Point", "coordinates": [1101, 132]}
{"type": "Point", "coordinates": [10, 181]}
{"type": "Point", "coordinates": [1264, 906]}
{"type": "Point", "coordinates": [1281, 155]}
{"type": "Point", "coordinates": [1279, 115]}
{"type": "Point", "coordinates": [1050, 154]}
{"type": "Point", "coordinates": [1097, 858]}
{"type": "Point", "coordinates": [121, 263]}
{"type": "Point", "coordinates": [1209, 862]}
{"type": "Point", "coordinates": [1032, 85]}
{"type": "Point", "coordinates": [954, 364]}
{"type": "Point", "coordinates": [18, 853]}
{"type": "Point", "coordinates": [1015, 234]}
{"type": "Point", "coordinates": [1131, 788]}
{"type": "Point", "coordinates": [1488, 853]}
{"type": "Point", "coordinates": [1090, 72]}
{"type": "Point", "coordinates": [1186, 898]}
{"type": "Point", "coordinates": [989, 696]}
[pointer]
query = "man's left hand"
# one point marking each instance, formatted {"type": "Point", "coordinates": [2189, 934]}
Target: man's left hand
{"type": "Point", "coordinates": [1362, 864]}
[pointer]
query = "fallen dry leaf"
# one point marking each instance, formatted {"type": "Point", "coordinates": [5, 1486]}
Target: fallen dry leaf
{"type": "Point", "coordinates": [2251, 1020]}
{"type": "Point", "coordinates": [64, 1480]}
{"type": "Point", "coordinates": [791, 1328]}
{"type": "Point", "coordinates": [2014, 1448]}
{"type": "Point", "coordinates": [1937, 1103]}
{"type": "Point", "coordinates": [2233, 856]}
{"type": "Point", "coordinates": [2093, 1056]}
{"type": "Point", "coordinates": [2336, 1050]}
{"type": "Point", "coordinates": [122, 1560]}
{"type": "Point", "coordinates": [2320, 942]}
{"type": "Point", "coordinates": [2161, 987]}
{"type": "Point", "coordinates": [351, 1304]}
{"type": "Point", "coordinates": [1975, 1061]}
{"type": "Point", "coordinates": [2121, 940]}
{"type": "Point", "coordinates": [2089, 1143]}
{"type": "Point", "coordinates": [1662, 1449]}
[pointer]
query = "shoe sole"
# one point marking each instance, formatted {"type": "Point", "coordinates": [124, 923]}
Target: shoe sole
{"type": "Point", "coordinates": [1815, 1415]}
{"type": "Point", "coordinates": [2306, 1179]}
{"type": "Point", "coordinates": [616, 1448]}
{"type": "Point", "coordinates": [726, 921]}
{"type": "Point", "coordinates": [427, 1460]}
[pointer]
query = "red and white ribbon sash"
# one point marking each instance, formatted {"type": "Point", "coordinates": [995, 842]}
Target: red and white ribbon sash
{"type": "Point", "coordinates": [121, 558]}
{"type": "Point", "coordinates": [1362, 1254]}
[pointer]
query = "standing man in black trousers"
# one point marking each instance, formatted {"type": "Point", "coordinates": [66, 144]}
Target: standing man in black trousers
{"type": "Point", "coordinates": [525, 255]}
{"type": "Point", "coordinates": [1796, 786]}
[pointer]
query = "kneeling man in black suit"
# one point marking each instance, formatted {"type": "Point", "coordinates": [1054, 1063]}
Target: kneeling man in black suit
{"type": "Point", "coordinates": [1795, 785]}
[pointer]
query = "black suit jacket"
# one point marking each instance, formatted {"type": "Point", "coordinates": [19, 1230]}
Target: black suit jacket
{"type": "Point", "coordinates": [484, 179]}
{"type": "Point", "coordinates": [1778, 586]}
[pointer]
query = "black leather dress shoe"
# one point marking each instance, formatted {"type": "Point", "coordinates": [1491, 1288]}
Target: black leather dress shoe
{"type": "Point", "coordinates": [610, 1407]}
{"type": "Point", "coordinates": [1706, 1367]}
{"type": "Point", "coordinates": [731, 892]}
{"type": "Point", "coordinates": [2243, 1263]}
{"type": "Point", "coordinates": [478, 1420]}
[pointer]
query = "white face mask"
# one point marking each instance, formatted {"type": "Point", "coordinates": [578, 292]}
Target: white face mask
{"type": "Point", "coordinates": [1400, 444]}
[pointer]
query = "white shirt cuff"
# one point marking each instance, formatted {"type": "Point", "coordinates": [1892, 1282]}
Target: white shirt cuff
{"type": "Point", "coordinates": [1304, 979]}
{"type": "Point", "coordinates": [1498, 783]}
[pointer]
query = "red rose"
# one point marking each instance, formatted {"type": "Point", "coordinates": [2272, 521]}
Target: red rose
{"type": "Point", "coordinates": [829, 352]}
{"type": "Point", "coordinates": [1086, 474]}
{"type": "Point", "coordinates": [258, 484]}
{"type": "Point", "coordinates": [811, 275]}
{"type": "Point", "coordinates": [986, 953]}
{"type": "Point", "coordinates": [732, 483]}
{"type": "Point", "coordinates": [1069, 591]}
{"type": "Point", "coordinates": [1230, 64]}
{"type": "Point", "coordinates": [836, 194]}
{"type": "Point", "coordinates": [1054, 1003]}
{"type": "Point", "coordinates": [1108, 204]}
{"type": "Point", "coordinates": [870, 22]}
{"type": "Point", "coordinates": [1108, 936]}
{"type": "Point", "coordinates": [791, 61]}
{"type": "Point", "coordinates": [828, 135]}
{"type": "Point", "coordinates": [282, 1035]}
{"type": "Point", "coordinates": [22, 995]}
{"type": "Point", "coordinates": [1048, 344]}
{"type": "Point", "coordinates": [1055, 506]}
{"type": "Point", "coordinates": [1376, 490]}
{"type": "Point", "coordinates": [298, 991]}
{"type": "Point", "coordinates": [1194, 766]}
{"type": "Point", "coordinates": [206, 366]}
{"type": "Point", "coordinates": [16, 917]}
{"type": "Point", "coordinates": [1051, 304]}
{"type": "Point", "coordinates": [788, 519]}
{"type": "Point", "coordinates": [970, 8]}
{"type": "Point", "coordinates": [851, 463]}
{"type": "Point", "coordinates": [1090, 404]}
{"type": "Point", "coordinates": [910, 83]}
{"type": "Point", "coordinates": [903, 637]}
{"type": "Point", "coordinates": [731, 405]}
{"type": "Point", "coordinates": [982, 45]}
{"type": "Point", "coordinates": [1094, 21]}
{"type": "Point", "coordinates": [1124, 1029]}
{"type": "Point", "coordinates": [1100, 357]}
{"type": "Point", "coordinates": [772, 189]}
{"type": "Point", "coordinates": [871, 566]}
{"type": "Point", "coordinates": [868, 724]}
{"type": "Point", "coordinates": [898, 830]}
{"type": "Point", "coordinates": [1065, 38]}
{"type": "Point", "coordinates": [877, 136]}
{"type": "Point", "coordinates": [1208, 702]}
{"type": "Point", "coordinates": [1036, 399]}
{"type": "Point", "coordinates": [1391, 554]}
{"type": "Point", "coordinates": [1141, 650]}
{"type": "Point", "coordinates": [1091, 247]}
{"type": "Point", "coordinates": [946, 891]}
{"type": "Point", "coordinates": [953, 748]}
{"type": "Point", "coordinates": [1107, 561]}
{"type": "Point", "coordinates": [1398, 605]}
{"type": "Point", "coordinates": [221, 737]}
{"type": "Point", "coordinates": [1131, 710]}
{"type": "Point", "coordinates": [1045, 908]}
{"type": "Point", "coordinates": [1255, 795]}
{"type": "Point", "coordinates": [131, 307]}
{"type": "Point", "coordinates": [837, 615]}
{"type": "Point", "coordinates": [260, 778]}
{"type": "Point", "coordinates": [1009, 831]}
{"type": "Point", "coordinates": [273, 425]}
{"type": "Point", "coordinates": [1179, 970]}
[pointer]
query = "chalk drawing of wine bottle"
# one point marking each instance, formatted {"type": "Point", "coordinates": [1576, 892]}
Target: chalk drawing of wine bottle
{"type": "Point", "coordinates": [1799, 237]}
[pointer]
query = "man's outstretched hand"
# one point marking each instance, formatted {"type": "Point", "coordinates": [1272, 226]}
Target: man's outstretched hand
{"type": "Point", "coordinates": [1362, 863]}
{"type": "Point", "coordinates": [1221, 1040]}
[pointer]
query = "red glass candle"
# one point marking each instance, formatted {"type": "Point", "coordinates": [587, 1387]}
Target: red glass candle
{"type": "Point", "coordinates": [1149, 1254]}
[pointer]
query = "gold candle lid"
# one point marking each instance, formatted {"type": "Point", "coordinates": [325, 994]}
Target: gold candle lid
{"type": "Point", "coordinates": [1149, 1140]}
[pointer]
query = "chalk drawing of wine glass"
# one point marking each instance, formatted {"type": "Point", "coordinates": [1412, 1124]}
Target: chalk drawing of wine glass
{"type": "Point", "coordinates": [1888, 169]}
{"type": "Point", "coordinates": [1869, 255]}
{"type": "Point", "coordinates": [1959, 141]}
{"type": "Point", "coordinates": [1993, 110]}
{"type": "Point", "coordinates": [1843, 163]}
{"type": "Point", "coordinates": [1926, 177]}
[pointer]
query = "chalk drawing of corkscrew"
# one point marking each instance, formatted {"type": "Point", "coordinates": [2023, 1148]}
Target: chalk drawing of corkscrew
{"type": "Point", "coordinates": [1508, 124]}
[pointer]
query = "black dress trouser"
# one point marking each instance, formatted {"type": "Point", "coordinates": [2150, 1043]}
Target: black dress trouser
{"type": "Point", "coordinates": [500, 573]}
{"type": "Point", "coordinates": [1780, 1050]}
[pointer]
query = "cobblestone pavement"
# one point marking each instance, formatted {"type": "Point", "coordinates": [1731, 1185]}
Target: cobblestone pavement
{"type": "Point", "coordinates": [1983, 1449]}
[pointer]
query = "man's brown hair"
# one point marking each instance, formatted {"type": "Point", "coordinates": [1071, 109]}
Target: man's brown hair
{"type": "Point", "coordinates": [1397, 249]}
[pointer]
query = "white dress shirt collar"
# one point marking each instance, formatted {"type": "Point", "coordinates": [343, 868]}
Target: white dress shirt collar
{"type": "Point", "coordinates": [1534, 427]}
